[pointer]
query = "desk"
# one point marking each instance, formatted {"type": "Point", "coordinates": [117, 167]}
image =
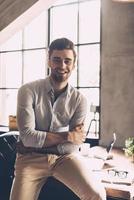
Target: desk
{"type": "Point", "coordinates": [119, 160]}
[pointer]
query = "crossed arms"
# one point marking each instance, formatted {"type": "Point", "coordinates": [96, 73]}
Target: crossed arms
{"type": "Point", "coordinates": [58, 143]}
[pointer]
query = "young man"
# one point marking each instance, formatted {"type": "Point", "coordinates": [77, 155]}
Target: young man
{"type": "Point", "coordinates": [50, 116]}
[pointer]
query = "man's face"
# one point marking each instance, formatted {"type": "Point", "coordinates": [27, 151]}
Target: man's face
{"type": "Point", "coordinates": [61, 63]}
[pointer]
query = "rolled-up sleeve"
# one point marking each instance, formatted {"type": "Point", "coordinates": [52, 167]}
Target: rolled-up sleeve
{"type": "Point", "coordinates": [26, 119]}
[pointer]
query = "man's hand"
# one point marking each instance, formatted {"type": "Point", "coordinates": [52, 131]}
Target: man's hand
{"type": "Point", "coordinates": [77, 135]}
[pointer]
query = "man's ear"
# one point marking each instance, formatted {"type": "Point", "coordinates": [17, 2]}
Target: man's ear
{"type": "Point", "coordinates": [48, 62]}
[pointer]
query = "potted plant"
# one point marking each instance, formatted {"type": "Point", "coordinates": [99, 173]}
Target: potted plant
{"type": "Point", "coordinates": [129, 147]}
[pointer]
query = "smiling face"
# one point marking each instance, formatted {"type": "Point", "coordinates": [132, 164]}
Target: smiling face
{"type": "Point", "coordinates": [61, 63]}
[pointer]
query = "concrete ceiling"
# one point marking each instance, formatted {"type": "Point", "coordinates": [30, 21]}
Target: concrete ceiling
{"type": "Point", "coordinates": [10, 10]}
{"type": "Point", "coordinates": [15, 14]}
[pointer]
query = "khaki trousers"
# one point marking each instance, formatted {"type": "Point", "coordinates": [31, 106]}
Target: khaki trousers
{"type": "Point", "coordinates": [32, 171]}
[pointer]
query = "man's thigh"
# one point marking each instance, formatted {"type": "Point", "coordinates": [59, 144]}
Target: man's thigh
{"type": "Point", "coordinates": [31, 172]}
{"type": "Point", "coordinates": [26, 188]}
{"type": "Point", "coordinates": [72, 170]}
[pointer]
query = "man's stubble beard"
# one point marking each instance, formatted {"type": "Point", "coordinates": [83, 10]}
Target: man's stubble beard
{"type": "Point", "coordinates": [58, 78]}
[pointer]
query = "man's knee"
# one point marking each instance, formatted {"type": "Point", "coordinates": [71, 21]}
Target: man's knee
{"type": "Point", "coordinates": [94, 197]}
{"type": "Point", "coordinates": [101, 195]}
{"type": "Point", "coordinates": [94, 194]}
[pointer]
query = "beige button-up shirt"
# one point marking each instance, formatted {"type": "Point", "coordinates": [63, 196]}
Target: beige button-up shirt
{"type": "Point", "coordinates": [38, 113]}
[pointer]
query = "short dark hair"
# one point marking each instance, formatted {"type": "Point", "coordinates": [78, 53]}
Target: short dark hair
{"type": "Point", "coordinates": [61, 44]}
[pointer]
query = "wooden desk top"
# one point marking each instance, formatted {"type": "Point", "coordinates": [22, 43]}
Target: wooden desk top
{"type": "Point", "coordinates": [119, 161]}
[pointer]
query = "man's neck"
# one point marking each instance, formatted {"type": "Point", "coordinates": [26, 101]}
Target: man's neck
{"type": "Point", "coordinates": [58, 86]}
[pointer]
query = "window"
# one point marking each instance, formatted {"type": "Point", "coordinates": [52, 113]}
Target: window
{"type": "Point", "coordinates": [80, 22]}
{"type": "Point", "coordinates": [25, 52]}
{"type": "Point", "coordinates": [37, 66]}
